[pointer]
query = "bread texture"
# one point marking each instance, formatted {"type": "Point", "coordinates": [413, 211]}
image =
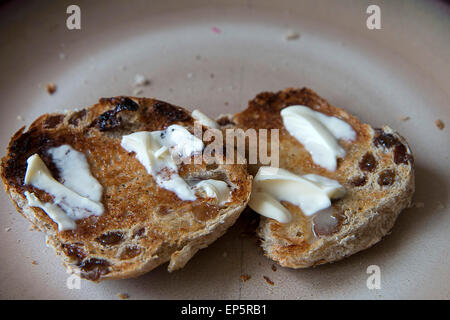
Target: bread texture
{"type": "Point", "coordinates": [143, 225]}
{"type": "Point", "coordinates": [377, 173]}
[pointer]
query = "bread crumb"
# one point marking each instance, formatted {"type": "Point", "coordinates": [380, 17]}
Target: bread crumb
{"type": "Point", "coordinates": [123, 296]}
{"type": "Point", "coordinates": [292, 35]}
{"type": "Point", "coordinates": [140, 80]}
{"type": "Point", "coordinates": [268, 280]}
{"type": "Point", "coordinates": [245, 277]}
{"type": "Point", "coordinates": [274, 268]}
{"type": "Point", "coordinates": [418, 205]}
{"type": "Point", "coordinates": [51, 88]}
{"type": "Point", "coordinates": [404, 118]}
{"type": "Point", "coordinates": [34, 262]}
{"type": "Point", "coordinates": [8, 229]}
{"type": "Point", "coordinates": [440, 124]}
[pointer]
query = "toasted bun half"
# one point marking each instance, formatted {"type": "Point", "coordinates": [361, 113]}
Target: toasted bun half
{"type": "Point", "coordinates": [143, 225]}
{"type": "Point", "coordinates": [377, 172]}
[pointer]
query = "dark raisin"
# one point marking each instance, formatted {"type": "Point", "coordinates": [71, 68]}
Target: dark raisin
{"type": "Point", "coordinates": [368, 162]}
{"type": "Point", "coordinates": [170, 112]}
{"type": "Point", "coordinates": [109, 119]}
{"type": "Point", "coordinates": [358, 181]}
{"type": "Point", "coordinates": [110, 238]}
{"type": "Point", "coordinates": [73, 252]}
{"type": "Point", "coordinates": [225, 121]}
{"type": "Point", "coordinates": [53, 121]}
{"type": "Point", "coordinates": [386, 178]}
{"type": "Point", "coordinates": [124, 103]}
{"type": "Point", "coordinates": [94, 268]}
{"type": "Point", "coordinates": [401, 155]}
{"type": "Point", "coordinates": [130, 252]}
{"type": "Point", "coordinates": [385, 140]}
{"type": "Point", "coordinates": [76, 117]}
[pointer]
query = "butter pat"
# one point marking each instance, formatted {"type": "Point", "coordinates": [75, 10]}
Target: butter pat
{"type": "Point", "coordinates": [76, 198]}
{"type": "Point", "coordinates": [312, 193]}
{"type": "Point", "coordinates": [204, 119]}
{"type": "Point", "coordinates": [53, 211]}
{"type": "Point", "coordinates": [318, 133]}
{"type": "Point", "coordinates": [217, 189]}
{"type": "Point", "coordinates": [157, 152]}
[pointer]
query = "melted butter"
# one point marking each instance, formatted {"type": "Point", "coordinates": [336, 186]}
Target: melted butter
{"type": "Point", "coordinates": [79, 195]}
{"type": "Point", "coordinates": [311, 193]}
{"type": "Point", "coordinates": [158, 152]}
{"type": "Point", "coordinates": [204, 119]}
{"type": "Point", "coordinates": [318, 133]}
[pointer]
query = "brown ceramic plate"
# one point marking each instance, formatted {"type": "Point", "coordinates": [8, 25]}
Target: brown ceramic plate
{"type": "Point", "coordinates": [215, 56]}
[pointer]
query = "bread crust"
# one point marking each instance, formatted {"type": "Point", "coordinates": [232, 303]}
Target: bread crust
{"type": "Point", "coordinates": [376, 192]}
{"type": "Point", "coordinates": [143, 225]}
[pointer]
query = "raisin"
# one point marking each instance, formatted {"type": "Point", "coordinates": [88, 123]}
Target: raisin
{"type": "Point", "coordinates": [130, 252]}
{"type": "Point", "coordinates": [385, 140]}
{"type": "Point", "coordinates": [94, 268]}
{"type": "Point", "coordinates": [53, 121]}
{"type": "Point", "coordinates": [358, 181]}
{"type": "Point", "coordinates": [74, 252]}
{"type": "Point", "coordinates": [401, 155]}
{"type": "Point", "coordinates": [368, 162]}
{"type": "Point", "coordinates": [386, 178]}
{"type": "Point", "coordinates": [124, 103]}
{"type": "Point", "coordinates": [109, 119]}
{"type": "Point", "coordinates": [110, 238]}
{"type": "Point", "coordinates": [170, 112]}
{"type": "Point", "coordinates": [225, 121]}
{"type": "Point", "coordinates": [75, 119]}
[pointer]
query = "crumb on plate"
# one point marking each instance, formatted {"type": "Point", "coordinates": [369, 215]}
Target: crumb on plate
{"type": "Point", "coordinates": [291, 35]}
{"type": "Point", "coordinates": [140, 80]}
{"type": "Point", "coordinates": [440, 124]}
{"type": "Point", "coordinates": [51, 88]}
{"type": "Point", "coordinates": [268, 280]}
{"type": "Point", "coordinates": [245, 277]}
{"type": "Point", "coordinates": [123, 296]}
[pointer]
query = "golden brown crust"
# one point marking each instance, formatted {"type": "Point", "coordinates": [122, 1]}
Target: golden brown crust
{"type": "Point", "coordinates": [377, 172]}
{"type": "Point", "coordinates": [143, 224]}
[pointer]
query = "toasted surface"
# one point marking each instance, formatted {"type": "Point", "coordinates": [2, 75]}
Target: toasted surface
{"type": "Point", "coordinates": [377, 172]}
{"type": "Point", "coordinates": [143, 225]}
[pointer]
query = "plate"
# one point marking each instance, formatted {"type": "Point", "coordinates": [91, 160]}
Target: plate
{"type": "Point", "coordinates": [215, 56]}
